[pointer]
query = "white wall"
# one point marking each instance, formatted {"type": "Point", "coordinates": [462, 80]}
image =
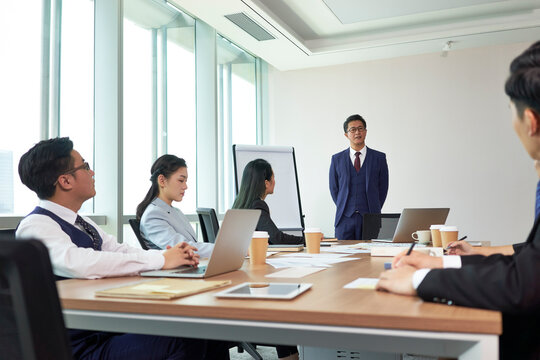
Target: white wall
{"type": "Point", "coordinates": [444, 124]}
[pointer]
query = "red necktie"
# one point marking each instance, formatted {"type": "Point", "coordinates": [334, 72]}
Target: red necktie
{"type": "Point", "coordinates": [357, 161]}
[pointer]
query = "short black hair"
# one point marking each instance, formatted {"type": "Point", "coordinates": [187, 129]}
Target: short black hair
{"type": "Point", "coordinates": [523, 84]}
{"type": "Point", "coordinates": [354, 117]}
{"type": "Point", "coordinates": [40, 166]}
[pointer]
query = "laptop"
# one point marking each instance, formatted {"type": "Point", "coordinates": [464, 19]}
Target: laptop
{"type": "Point", "coordinates": [230, 248]}
{"type": "Point", "coordinates": [416, 219]}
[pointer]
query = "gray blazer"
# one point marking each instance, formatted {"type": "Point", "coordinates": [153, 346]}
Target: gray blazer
{"type": "Point", "coordinates": [165, 225]}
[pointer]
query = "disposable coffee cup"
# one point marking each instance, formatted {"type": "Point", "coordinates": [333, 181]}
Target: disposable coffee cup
{"type": "Point", "coordinates": [258, 247]}
{"type": "Point", "coordinates": [436, 235]}
{"type": "Point", "coordinates": [423, 236]}
{"type": "Point", "coordinates": [449, 234]}
{"type": "Point", "coordinates": [313, 240]}
{"type": "Point", "coordinates": [259, 288]}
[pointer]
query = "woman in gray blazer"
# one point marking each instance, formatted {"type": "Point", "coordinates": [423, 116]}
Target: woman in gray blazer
{"type": "Point", "coordinates": [162, 224]}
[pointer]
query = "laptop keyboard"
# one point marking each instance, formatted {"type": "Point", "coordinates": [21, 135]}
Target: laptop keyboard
{"type": "Point", "coordinates": [191, 270]}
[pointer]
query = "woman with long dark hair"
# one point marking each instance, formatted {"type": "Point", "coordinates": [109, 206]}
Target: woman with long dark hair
{"type": "Point", "coordinates": [257, 182]}
{"type": "Point", "coordinates": [161, 223]}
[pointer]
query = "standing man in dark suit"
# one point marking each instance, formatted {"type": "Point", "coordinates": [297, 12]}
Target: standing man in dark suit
{"type": "Point", "coordinates": [507, 283]}
{"type": "Point", "coordinates": [358, 180]}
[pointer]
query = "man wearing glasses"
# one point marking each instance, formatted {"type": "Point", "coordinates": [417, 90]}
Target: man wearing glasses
{"type": "Point", "coordinates": [358, 180]}
{"type": "Point", "coordinates": [78, 248]}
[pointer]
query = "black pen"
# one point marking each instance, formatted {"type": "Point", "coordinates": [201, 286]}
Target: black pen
{"type": "Point", "coordinates": [410, 249]}
{"type": "Point", "coordinates": [463, 238]}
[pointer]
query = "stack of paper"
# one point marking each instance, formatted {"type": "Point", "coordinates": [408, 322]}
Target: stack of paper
{"type": "Point", "coordinates": [164, 289]}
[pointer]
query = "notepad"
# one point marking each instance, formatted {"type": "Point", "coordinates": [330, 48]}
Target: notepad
{"type": "Point", "coordinates": [163, 289]}
{"type": "Point", "coordinates": [285, 247]}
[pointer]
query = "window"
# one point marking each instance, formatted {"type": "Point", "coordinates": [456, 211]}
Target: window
{"type": "Point", "coordinates": [47, 89]}
{"type": "Point", "coordinates": [159, 95]}
{"type": "Point", "coordinates": [181, 117]}
{"type": "Point", "coordinates": [77, 79]}
{"type": "Point", "coordinates": [237, 110]}
{"type": "Point", "coordinates": [20, 96]}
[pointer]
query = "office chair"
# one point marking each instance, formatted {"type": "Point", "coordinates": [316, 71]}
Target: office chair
{"type": "Point", "coordinates": [209, 224]}
{"type": "Point", "coordinates": [30, 313]}
{"type": "Point", "coordinates": [145, 244]}
{"type": "Point", "coordinates": [379, 226]}
{"type": "Point", "coordinates": [10, 232]}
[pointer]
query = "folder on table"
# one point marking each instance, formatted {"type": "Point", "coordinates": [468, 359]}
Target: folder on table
{"type": "Point", "coordinates": [163, 289]}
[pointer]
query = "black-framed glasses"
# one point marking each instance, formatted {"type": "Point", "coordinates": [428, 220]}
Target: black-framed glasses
{"type": "Point", "coordinates": [85, 166]}
{"type": "Point", "coordinates": [353, 130]}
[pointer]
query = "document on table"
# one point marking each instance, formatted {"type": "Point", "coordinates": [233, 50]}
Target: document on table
{"type": "Point", "coordinates": [282, 261]}
{"type": "Point", "coordinates": [362, 283]}
{"type": "Point", "coordinates": [314, 256]}
{"type": "Point", "coordinates": [295, 272]}
{"type": "Point", "coordinates": [346, 249]}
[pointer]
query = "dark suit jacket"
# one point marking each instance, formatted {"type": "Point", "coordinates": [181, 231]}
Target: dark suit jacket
{"type": "Point", "coordinates": [510, 284]}
{"type": "Point", "coordinates": [266, 224]}
{"type": "Point", "coordinates": [376, 184]}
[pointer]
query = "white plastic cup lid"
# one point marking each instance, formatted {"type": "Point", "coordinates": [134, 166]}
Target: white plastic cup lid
{"type": "Point", "coordinates": [449, 228]}
{"type": "Point", "coordinates": [260, 234]}
{"type": "Point", "coordinates": [436, 226]}
{"type": "Point", "coordinates": [312, 230]}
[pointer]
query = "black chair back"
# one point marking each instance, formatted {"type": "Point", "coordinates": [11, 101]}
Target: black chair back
{"type": "Point", "coordinates": [32, 326]}
{"type": "Point", "coordinates": [135, 226]}
{"type": "Point", "coordinates": [379, 226]}
{"type": "Point", "coordinates": [10, 232]}
{"type": "Point", "coordinates": [209, 224]}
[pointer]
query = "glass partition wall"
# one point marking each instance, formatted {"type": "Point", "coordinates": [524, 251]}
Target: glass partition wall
{"type": "Point", "coordinates": [49, 88]}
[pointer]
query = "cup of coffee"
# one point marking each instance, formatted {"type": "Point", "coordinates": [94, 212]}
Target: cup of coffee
{"type": "Point", "coordinates": [436, 235]}
{"type": "Point", "coordinates": [313, 240]}
{"type": "Point", "coordinates": [258, 247]}
{"type": "Point", "coordinates": [423, 236]}
{"type": "Point", "coordinates": [449, 234]}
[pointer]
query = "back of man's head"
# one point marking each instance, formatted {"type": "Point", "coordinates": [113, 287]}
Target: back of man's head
{"type": "Point", "coordinates": [523, 84]}
{"type": "Point", "coordinates": [40, 166]}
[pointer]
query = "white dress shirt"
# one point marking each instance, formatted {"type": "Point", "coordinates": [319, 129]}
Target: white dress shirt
{"type": "Point", "coordinates": [352, 154]}
{"type": "Point", "coordinates": [165, 225]}
{"type": "Point", "coordinates": [449, 261]}
{"type": "Point", "coordinates": [69, 260]}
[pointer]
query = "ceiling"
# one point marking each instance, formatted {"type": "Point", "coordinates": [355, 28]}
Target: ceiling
{"type": "Point", "coordinates": [311, 33]}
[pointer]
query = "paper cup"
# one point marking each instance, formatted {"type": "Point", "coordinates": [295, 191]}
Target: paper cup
{"type": "Point", "coordinates": [436, 235]}
{"type": "Point", "coordinates": [449, 234]}
{"type": "Point", "coordinates": [258, 247]}
{"type": "Point", "coordinates": [313, 240]}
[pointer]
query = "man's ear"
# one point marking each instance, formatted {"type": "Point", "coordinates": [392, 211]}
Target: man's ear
{"type": "Point", "coordinates": [64, 182]}
{"type": "Point", "coordinates": [533, 120]}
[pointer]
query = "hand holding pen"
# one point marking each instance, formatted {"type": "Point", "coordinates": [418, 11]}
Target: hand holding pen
{"type": "Point", "coordinates": [460, 248]}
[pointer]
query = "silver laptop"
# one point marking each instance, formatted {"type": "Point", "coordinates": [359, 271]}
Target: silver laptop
{"type": "Point", "coordinates": [416, 219]}
{"type": "Point", "coordinates": [230, 248]}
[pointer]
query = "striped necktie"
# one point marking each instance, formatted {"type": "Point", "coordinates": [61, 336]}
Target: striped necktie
{"type": "Point", "coordinates": [90, 230]}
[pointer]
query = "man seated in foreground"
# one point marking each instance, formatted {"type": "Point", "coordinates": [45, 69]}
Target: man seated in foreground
{"type": "Point", "coordinates": [78, 248]}
{"type": "Point", "coordinates": [507, 283]}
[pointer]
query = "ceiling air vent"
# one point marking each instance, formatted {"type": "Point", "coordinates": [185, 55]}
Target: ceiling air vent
{"type": "Point", "coordinates": [250, 26]}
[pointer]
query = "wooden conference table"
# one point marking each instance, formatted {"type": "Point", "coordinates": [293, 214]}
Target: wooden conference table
{"type": "Point", "coordinates": [326, 316]}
